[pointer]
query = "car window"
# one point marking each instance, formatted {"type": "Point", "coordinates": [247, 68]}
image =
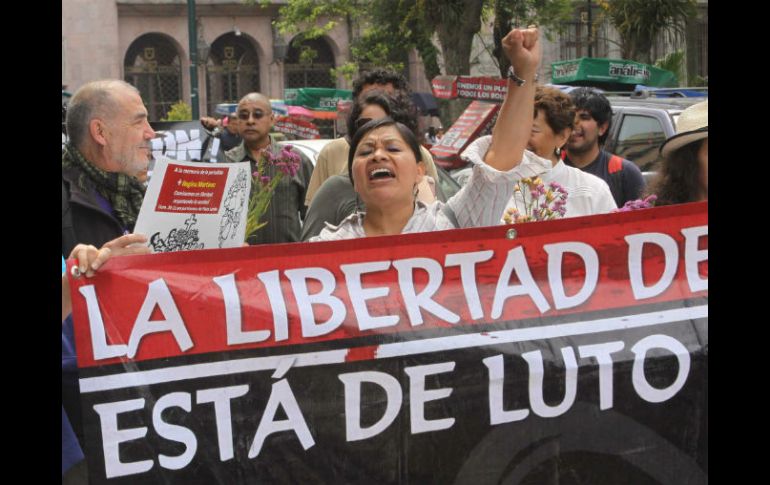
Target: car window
{"type": "Point", "coordinates": [639, 139]}
{"type": "Point", "coordinates": [446, 186]}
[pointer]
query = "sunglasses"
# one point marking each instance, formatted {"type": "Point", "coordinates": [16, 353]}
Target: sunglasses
{"type": "Point", "coordinates": [245, 115]}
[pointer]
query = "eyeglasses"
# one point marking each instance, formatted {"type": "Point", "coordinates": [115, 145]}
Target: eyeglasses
{"type": "Point", "coordinates": [245, 115]}
{"type": "Point", "coordinates": [361, 122]}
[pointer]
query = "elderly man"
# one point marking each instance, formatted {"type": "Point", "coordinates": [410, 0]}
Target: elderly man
{"type": "Point", "coordinates": [256, 119]}
{"type": "Point", "coordinates": [108, 147]}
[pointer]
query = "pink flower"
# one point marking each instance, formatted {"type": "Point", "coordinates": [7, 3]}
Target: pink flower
{"type": "Point", "coordinates": [535, 203]}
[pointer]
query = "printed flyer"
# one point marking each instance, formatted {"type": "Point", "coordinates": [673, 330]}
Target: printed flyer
{"type": "Point", "coordinates": [195, 206]}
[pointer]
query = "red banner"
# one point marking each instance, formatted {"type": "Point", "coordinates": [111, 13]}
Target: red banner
{"type": "Point", "coordinates": [444, 87]}
{"type": "Point", "coordinates": [300, 128]}
{"type": "Point", "coordinates": [476, 117]}
{"type": "Point", "coordinates": [418, 358]}
{"type": "Point", "coordinates": [163, 305]}
{"type": "Point", "coordinates": [482, 88]}
{"type": "Point", "coordinates": [479, 88]}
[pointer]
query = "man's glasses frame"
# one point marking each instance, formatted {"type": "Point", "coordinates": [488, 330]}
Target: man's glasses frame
{"type": "Point", "coordinates": [258, 114]}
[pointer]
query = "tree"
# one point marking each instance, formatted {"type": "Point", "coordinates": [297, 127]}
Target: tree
{"type": "Point", "coordinates": [674, 62]}
{"type": "Point", "coordinates": [179, 111]}
{"type": "Point", "coordinates": [640, 21]}
{"type": "Point", "coordinates": [383, 32]}
{"type": "Point", "coordinates": [512, 13]}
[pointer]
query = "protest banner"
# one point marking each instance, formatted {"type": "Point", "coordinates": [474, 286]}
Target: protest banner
{"type": "Point", "coordinates": [183, 140]}
{"type": "Point", "coordinates": [527, 354]}
{"type": "Point", "coordinates": [476, 118]}
{"type": "Point", "coordinates": [444, 87]}
{"type": "Point", "coordinates": [481, 88]}
{"type": "Point", "coordinates": [303, 129]}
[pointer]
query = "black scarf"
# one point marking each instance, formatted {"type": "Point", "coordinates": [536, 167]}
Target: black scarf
{"type": "Point", "coordinates": [125, 193]}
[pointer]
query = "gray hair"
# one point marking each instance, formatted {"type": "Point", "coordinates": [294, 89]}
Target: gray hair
{"type": "Point", "coordinates": [92, 100]}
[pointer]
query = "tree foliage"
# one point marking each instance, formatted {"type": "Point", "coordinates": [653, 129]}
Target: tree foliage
{"type": "Point", "coordinates": [179, 111]}
{"type": "Point", "coordinates": [383, 32]}
{"type": "Point", "coordinates": [639, 22]}
{"type": "Point", "coordinates": [674, 62]}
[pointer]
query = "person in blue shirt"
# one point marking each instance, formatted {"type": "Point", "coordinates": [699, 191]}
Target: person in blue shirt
{"type": "Point", "coordinates": [89, 260]}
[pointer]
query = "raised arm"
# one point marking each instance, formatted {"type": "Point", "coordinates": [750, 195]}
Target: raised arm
{"type": "Point", "coordinates": [514, 122]}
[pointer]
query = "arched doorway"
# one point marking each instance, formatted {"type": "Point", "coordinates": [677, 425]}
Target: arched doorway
{"type": "Point", "coordinates": [302, 72]}
{"type": "Point", "coordinates": [153, 66]}
{"type": "Point", "coordinates": [311, 71]}
{"type": "Point", "coordinates": [232, 70]}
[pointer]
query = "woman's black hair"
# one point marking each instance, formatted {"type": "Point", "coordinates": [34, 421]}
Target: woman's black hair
{"type": "Point", "coordinates": [408, 135]}
{"type": "Point", "coordinates": [398, 106]}
{"type": "Point", "coordinates": [678, 181]}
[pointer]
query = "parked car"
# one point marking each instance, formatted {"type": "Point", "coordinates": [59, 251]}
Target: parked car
{"type": "Point", "coordinates": [446, 186]}
{"type": "Point", "coordinates": [310, 148]}
{"type": "Point", "coordinates": [640, 126]}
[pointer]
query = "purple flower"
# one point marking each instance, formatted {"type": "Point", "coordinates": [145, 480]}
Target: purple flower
{"type": "Point", "coordinates": [645, 203]}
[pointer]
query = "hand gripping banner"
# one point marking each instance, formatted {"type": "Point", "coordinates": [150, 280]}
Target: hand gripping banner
{"type": "Point", "coordinates": [569, 351]}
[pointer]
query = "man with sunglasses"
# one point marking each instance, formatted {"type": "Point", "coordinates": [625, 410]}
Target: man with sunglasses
{"type": "Point", "coordinates": [255, 120]}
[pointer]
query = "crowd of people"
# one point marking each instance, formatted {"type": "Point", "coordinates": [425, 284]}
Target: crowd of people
{"type": "Point", "coordinates": [377, 180]}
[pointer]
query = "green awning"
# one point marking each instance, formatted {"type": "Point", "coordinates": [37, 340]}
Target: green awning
{"type": "Point", "coordinates": [317, 99]}
{"type": "Point", "coordinates": [610, 74]}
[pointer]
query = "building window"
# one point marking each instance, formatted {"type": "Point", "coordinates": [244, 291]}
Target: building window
{"type": "Point", "coordinates": [302, 72]}
{"type": "Point", "coordinates": [574, 41]}
{"type": "Point", "coordinates": [232, 70]}
{"type": "Point", "coordinates": [152, 65]}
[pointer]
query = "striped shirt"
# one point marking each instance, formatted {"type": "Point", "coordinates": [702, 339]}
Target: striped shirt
{"type": "Point", "coordinates": [479, 203]}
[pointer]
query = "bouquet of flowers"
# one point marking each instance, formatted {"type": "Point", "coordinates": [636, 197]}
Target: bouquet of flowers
{"type": "Point", "coordinates": [533, 202]}
{"type": "Point", "coordinates": [645, 203]}
{"type": "Point", "coordinates": [287, 162]}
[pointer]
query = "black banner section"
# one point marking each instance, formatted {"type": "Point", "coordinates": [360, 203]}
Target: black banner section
{"type": "Point", "coordinates": [603, 397]}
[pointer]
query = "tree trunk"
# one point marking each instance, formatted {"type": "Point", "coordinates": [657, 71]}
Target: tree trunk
{"type": "Point", "coordinates": [503, 22]}
{"type": "Point", "coordinates": [456, 39]}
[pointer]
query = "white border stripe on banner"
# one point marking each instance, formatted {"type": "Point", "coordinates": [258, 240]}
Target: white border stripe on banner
{"type": "Point", "coordinates": [454, 342]}
{"type": "Point", "coordinates": [421, 346]}
{"type": "Point", "coordinates": [195, 371]}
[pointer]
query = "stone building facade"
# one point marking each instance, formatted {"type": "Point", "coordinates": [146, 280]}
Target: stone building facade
{"type": "Point", "coordinates": [146, 42]}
